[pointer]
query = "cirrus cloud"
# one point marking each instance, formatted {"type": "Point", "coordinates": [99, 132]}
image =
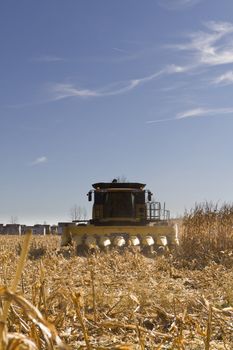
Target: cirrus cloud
{"type": "Point", "coordinates": [177, 4]}
{"type": "Point", "coordinates": [224, 79]}
{"type": "Point", "coordinates": [61, 91]}
{"type": "Point", "coordinates": [47, 59]}
{"type": "Point", "coordinates": [211, 47]}
{"type": "Point", "coordinates": [39, 160]}
{"type": "Point", "coordinates": [196, 112]}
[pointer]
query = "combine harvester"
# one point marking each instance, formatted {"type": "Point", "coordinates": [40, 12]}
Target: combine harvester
{"type": "Point", "coordinates": [123, 215]}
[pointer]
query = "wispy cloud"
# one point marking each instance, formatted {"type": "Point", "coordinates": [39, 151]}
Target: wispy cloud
{"type": "Point", "coordinates": [47, 59]}
{"type": "Point", "coordinates": [117, 49]}
{"type": "Point", "coordinates": [177, 4]}
{"type": "Point", "coordinates": [196, 112]}
{"type": "Point", "coordinates": [159, 120]}
{"type": "Point", "coordinates": [211, 47]}
{"type": "Point", "coordinates": [224, 79]}
{"type": "Point", "coordinates": [39, 160]}
{"type": "Point", "coordinates": [214, 46]}
{"type": "Point", "coordinates": [199, 112]}
{"type": "Point", "coordinates": [61, 91]}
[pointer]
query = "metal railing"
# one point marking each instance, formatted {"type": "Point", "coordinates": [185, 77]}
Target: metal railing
{"type": "Point", "coordinates": [155, 211]}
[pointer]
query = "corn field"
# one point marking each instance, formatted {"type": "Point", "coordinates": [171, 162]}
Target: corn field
{"type": "Point", "coordinates": [52, 299]}
{"type": "Point", "coordinates": [208, 234]}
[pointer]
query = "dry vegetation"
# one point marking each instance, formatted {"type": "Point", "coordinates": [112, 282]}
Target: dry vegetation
{"type": "Point", "coordinates": [128, 301]}
{"type": "Point", "coordinates": [208, 234]}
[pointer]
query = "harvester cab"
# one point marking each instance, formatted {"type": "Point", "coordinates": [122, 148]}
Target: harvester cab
{"type": "Point", "coordinates": [123, 214]}
{"type": "Point", "coordinates": [124, 203]}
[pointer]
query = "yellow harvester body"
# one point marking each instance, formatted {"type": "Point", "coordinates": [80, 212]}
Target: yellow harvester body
{"type": "Point", "coordinates": [123, 215]}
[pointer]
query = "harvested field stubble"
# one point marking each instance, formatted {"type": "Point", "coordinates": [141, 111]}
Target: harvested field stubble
{"type": "Point", "coordinates": [113, 301]}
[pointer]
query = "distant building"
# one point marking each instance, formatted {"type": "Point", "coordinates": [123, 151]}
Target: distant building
{"type": "Point", "coordinates": [1, 229]}
{"type": "Point", "coordinates": [39, 229]}
{"type": "Point", "coordinates": [53, 229]}
{"type": "Point", "coordinates": [12, 229]}
{"type": "Point", "coordinates": [25, 228]}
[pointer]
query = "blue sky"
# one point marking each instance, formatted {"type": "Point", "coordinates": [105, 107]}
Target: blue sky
{"type": "Point", "coordinates": [91, 90]}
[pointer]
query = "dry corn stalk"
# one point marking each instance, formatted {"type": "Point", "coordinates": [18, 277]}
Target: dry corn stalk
{"type": "Point", "coordinates": [19, 270]}
{"type": "Point", "coordinates": [47, 329]}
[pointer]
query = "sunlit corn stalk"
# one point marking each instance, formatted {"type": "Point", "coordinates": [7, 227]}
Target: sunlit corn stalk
{"type": "Point", "coordinates": [35, 336]}
{"type": "Point", "coordinates": [208, 329]}
{"type": "Point", "coordinates": [22, 284]}
{"type": "Point", "coordinates": [76, 300]}
{"type": "Point", "coordinates": [47, 329]}
{"type": "Point", "coordinates": [93, 293]}
{"type": "Point", "coordinates": [140, 339]}
{"type": "Point", "coordinates": [43, 296]}
{"type": "Point", "coordinates": [207, 232]}
{"type": "Point", "coordinates": [19, 270]}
